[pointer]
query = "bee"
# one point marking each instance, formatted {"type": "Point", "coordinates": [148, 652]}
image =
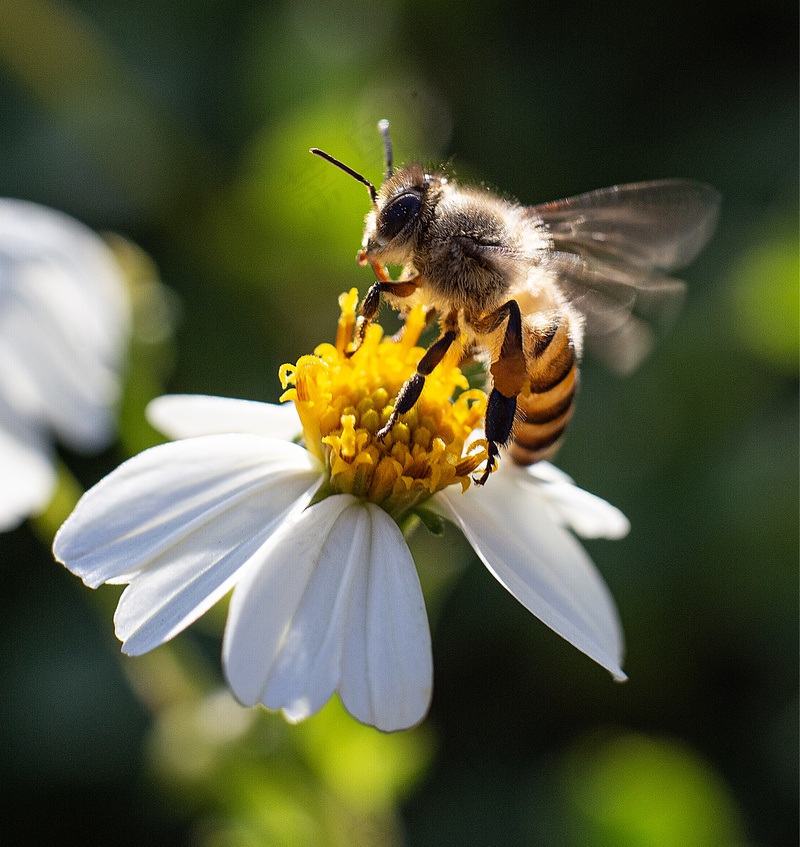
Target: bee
{"type": "Point", "coordinates": [526, 285]}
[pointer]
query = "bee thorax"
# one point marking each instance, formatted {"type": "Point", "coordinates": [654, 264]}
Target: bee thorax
{"type": "Point", "coordinates": [463, 253]}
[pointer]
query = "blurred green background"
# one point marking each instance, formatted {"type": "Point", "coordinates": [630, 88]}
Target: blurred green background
{"type": "Point", "coordinates": [184, 126]}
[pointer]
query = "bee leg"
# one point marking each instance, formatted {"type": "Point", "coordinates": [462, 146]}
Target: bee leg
{"type": "Point", "coordinates": [500, 412]}
{"type": "Point", "coordinates": [412, 388]}
{"type": "Point", "coordinates": [509, 373]}
{"type": "Point", "coordinates": [371, 304]}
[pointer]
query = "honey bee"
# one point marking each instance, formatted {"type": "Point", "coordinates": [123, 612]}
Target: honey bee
{"type": "Point", "coordinates": [527, 284]}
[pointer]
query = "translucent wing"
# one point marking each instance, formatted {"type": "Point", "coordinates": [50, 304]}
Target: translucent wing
{"type": "Point", "coordinates": [610, 248]}
{"type": "Point", "coordinates": [649, 225]}
{"type": "Point", "coordinates": [620, 306]}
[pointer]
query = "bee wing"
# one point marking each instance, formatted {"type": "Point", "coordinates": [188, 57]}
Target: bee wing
{"type": "Point", "coordinates": [620, 305]}
{"type": "Point", "coordinates": [610, 249]}
{"type": "Point", "coordinates": [649, 225]}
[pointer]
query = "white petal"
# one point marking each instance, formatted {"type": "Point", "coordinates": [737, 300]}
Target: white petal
{"type": "Point", "coordinates": [586, 514]}
{"type": "Point", "coordinates": [64, 322]}
{"type": "Point", "coordinates": [511, 528]}
{"type": "Point", "coordinates": [178, 522]}
{"type": "Point", "coordinates": [335, 604]}
{"type": "Point", "coordinates": [27, 477]}
{"type": "Point", "coordinates": [189, 415]}
{"type": "Point", "coordinates": [264, 607]}
{"type": "Point", "coordinates": [387, 673]}
{"type": "Point", "coordinates": [547, 472]}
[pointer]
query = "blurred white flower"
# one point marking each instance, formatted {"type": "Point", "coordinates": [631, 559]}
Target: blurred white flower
{"type": "Point", "coordinates": [64, 325]}
{"type": "Point", "coordinates": [326, 595]}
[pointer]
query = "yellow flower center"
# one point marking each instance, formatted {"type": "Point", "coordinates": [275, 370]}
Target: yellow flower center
{"type": "Point", "coordinates": [344, 400]}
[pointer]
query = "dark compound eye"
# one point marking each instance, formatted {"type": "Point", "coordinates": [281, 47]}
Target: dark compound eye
{"type": "Point", "coordinates": [398, 214]}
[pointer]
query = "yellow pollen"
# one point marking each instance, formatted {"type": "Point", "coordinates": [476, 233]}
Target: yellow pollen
{"type": "Point", "coordinates": [343, 399]}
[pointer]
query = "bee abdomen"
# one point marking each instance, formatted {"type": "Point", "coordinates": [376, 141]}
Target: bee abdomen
{"type": "Point", "coordinates": [544, 410]}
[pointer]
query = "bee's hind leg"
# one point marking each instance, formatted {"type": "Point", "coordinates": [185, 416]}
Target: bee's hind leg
{"type": "Point", "coordinates": [500, 412]}
{"type": "Point", "coordinates": [509, 372]}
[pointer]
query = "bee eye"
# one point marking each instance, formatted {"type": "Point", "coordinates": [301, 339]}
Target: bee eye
{"type": "Point", "coordinates": [398, 214]}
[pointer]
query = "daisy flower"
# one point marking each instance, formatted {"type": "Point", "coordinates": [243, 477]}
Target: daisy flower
{"type": "Point", "coordinates": [299, 509]}
{"type": "Point", "coordinates": [64, 323]}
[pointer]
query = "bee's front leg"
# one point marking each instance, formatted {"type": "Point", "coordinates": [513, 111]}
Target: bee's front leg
{"type": "Point", "coordinates": [509, 373]}
{"type": "Point", "coordinates": [371, 304]}
{"type": "Point", "coordinates": [412, 388]}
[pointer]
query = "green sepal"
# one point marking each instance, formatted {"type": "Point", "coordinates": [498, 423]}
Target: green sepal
{"type": "Point", "coordinates": [430, 520]}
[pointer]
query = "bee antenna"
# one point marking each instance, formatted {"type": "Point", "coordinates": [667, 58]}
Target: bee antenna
{"type": "Point", "coordinates": [355, 174]}
{"type": "Point", "coordinates": [383, 128]}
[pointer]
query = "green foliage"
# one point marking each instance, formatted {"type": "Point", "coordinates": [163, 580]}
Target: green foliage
{"type": "Point", "coordinates": [766, 297]}
{"type": "Point", "coordinates": [635, 791]}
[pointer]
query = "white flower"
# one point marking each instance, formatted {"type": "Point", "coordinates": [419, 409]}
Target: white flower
{"type": "Point", "coordinates": [64, 322]}
{"type": "Point", "coordinates": [326, 595]}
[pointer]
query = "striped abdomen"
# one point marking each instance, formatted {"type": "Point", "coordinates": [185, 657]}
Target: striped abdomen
{"type": "Point", "coordinates": [544, 410]}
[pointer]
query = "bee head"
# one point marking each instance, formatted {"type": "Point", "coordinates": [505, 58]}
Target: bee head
{"type": "Point", "coordinates": [391, 228]}
{"type": "Point", "coordinates": [393, 221]}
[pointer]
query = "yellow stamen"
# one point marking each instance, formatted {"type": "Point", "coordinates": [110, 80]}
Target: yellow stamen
{"type": "Point", "coordinates": [343, 400]}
